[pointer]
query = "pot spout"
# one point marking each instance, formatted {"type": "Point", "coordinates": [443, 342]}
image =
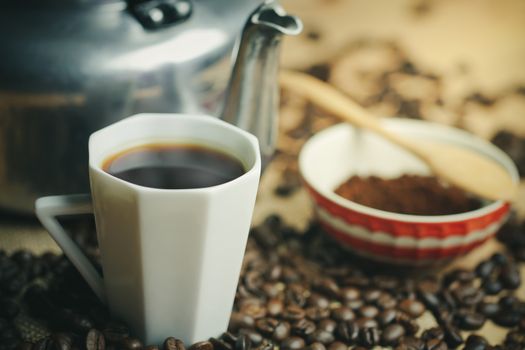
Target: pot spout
{"type": "Point", "coordinates": [252, 97]}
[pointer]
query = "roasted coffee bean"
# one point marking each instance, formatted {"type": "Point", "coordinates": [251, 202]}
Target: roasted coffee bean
{"type": "Point", "coordinates": [315, 346]}
{"type": "Point", "coordinates": [449, 299]}
{"type": "Point", "coordinates": [131, 343]}
{"type": "Point", "coordinates": [275, 273]}
{"type": "Point", "coordinates": [327, 325]}
{"type": "Point", "coordinates": [468, 320]}
{"type": "Point", "coordinates": [411, 343]}
{"type": "Point", "coordinates": [9, 269]}
{"type": "Point", "coordinates": [272, 290]}
{"type": "Point", "coordinates": [488, 309]}
{"type": "Point", "coordinates": [476, 342]}
{"type": "Point", "coordinates": [328, 287]}
{"type": "Point", "coordinates": [343, 313]}
{"type": "Point", "coordinates": [22, 257]}
{"type": "Point", "coordinates": [230, 337]}
{"type": "Point", "coordinates": [264, 236]}
{"type": "Point", "coordinates": [173, 344]}
{"type": "Point", "coordinates": [508, 302]}
{"type": "Point", "coordinates": [15, 284]}
{"type": "Point", "coordinates": [428, 285]}
{"type": "Point", "coordinates": [219, 344]}
{"type": "Point", "coordinates": [253, 280]}
{"type": "Point", "coordinates": [515, 339]}
{"type": "Point", "coordinates": [499, 258]}
{"type": "Point", "coordinates": [452, 336]}
{"type": "Point", "coordinates": [458, 275]}
{"type": "Point", "coordinates": [385, 282]}
{"type": "Point", "coordinates": [510, 276]}
{"type": "Point", "coordinates": [392, 333]}
{"type": "Point", "coordinates": [412, 307]}
{"type": "Point", "coordinates": [347, 331]}
{"type": "Point", "coordinates": [354, 304]}
{"type": "Point", "coordinates": [255, 337]}
{"type": "Point", "coordinates": [281, 331]}
{"type": "Point", "coordinates": [435, 344]}
{"type": "Point", "coordinates": [321, 336]}
{"type": "Point", "coordinates": [274, 221]}
{"type": "Point", "coordinates": [303, 328]}
{"type": "Point", "coordinates": [386, 301]}
{"type": "Point", "coordinates": [492, 286]}
{"type": "Point", "coordinates": [43, 344]}
{"type": "Point", "coordinates": [357, 280]}
{"type": "Point", "coordinates": [507, 318]}
{"type": "Point", "coordinates": [368, 311]}
{"type": "Point", "coordinates": [240, 320]}
{"type": "Point", "coordinates": [253, 310]}
{"type": "Point", "coordinates": [462, 291]}
{"type": "Point", "coordinates": [350, 293]}
{"type": "Point", "coordinates": [365, 322]}
{"type": "Point", "coordinates": [202, 345]}
{"type": "Point", "coordinates": [243, 343]}
{"type": "Point", "coordinates": [25, 346]}
{"type": "Point", "coordinates": [95, 340]}
{"type": "Point", "coordinates": [336, 345]}
{"type": "Point", "coordinates": [266, 325]}
{"type": "Point", "coordinates": [293, 343]}
{"type": "Point", "coordinates": [410, 325]}
{"type": "Point", "coordinates": [295, 294]}
{"type": "Point", "coordinates": [474, 299]}
{"type": "Point", "coordinates": [294, 313]}
{"type": "Point", "coordinates": [319, 301]}
{"type": "Point", "coordinates": [316, 313]}
{"type": "Point", "coordinates": [266, 345]}
{"type": "Point", "coordinates": [443, 315]}
{"type": "Point", "coordinates": [274, 307]}
{"type": "Point", "coordinates": [485, 268]}
{"type": "Point", "coordinates": [369, 336]}
{"type": "Point", "coordinates": [430, 300]}
{"type": "Point", "coordinates": [71, 320]}
{"type": "Point", "coordinates": [433, 333]}
{"type": "Point", "coordinates": [115, 332]}
{"type": "Point", "coordinates": [371, 295]}
{"type": "Point", "coordinates": [386, 317]}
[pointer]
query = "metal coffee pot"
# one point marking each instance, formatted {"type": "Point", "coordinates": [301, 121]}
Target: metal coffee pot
{"type": "Point", "coordinates": [68, 68]}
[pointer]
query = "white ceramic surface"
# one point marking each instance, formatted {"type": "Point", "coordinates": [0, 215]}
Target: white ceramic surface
{"type": "Point", "coordinates": [341, 151]}
{"type": "Point", "coordinates": [171, 258]}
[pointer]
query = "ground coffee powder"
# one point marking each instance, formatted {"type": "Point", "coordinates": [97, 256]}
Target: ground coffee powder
{"type": "Point", "coordinates": [408, 194]}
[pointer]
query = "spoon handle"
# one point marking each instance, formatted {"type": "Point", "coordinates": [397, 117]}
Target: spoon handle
{"type": "Point", "coordinates": [335, 102]}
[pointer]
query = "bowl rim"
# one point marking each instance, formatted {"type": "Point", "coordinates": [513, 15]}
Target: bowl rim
{"type": "Point", "coordinates": [502, 158]}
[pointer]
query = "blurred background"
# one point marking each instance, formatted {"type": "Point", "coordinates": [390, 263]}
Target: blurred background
{"type": "Point", "coordinates": [458, 62]}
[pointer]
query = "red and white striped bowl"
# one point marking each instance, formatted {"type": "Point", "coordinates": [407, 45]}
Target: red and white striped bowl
{"type": "Point", "coordinates": [336, 153]}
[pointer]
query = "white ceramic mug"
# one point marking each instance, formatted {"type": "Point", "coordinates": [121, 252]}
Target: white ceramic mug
{"type": "Point", "coordinates": [171, 258]}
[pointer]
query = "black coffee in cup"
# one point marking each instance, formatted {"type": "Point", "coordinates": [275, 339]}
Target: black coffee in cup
{"type": "Point", "coordinates": [174, 166]}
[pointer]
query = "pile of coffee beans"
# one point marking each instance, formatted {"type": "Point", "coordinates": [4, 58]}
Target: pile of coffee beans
{"type": "Point", "coordinates": [297, 290]}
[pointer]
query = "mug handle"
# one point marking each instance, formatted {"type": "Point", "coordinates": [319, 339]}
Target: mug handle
{"type": "Point", "coordinates": [47, 209]}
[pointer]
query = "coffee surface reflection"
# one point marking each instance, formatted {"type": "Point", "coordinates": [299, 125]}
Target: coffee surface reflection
{"type": "Point", "coordinates": [174, 166]}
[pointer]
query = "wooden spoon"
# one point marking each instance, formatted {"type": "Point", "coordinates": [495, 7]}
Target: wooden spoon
{"type": "Point", "coordinates": [457, 165]}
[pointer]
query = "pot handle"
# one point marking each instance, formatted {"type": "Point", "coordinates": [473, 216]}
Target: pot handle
{"type": "Point", "coordinates": [47, 209]}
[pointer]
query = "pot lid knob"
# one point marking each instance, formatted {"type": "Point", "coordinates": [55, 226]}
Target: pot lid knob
{"type": "Point", "coordinates": [155, 14]}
